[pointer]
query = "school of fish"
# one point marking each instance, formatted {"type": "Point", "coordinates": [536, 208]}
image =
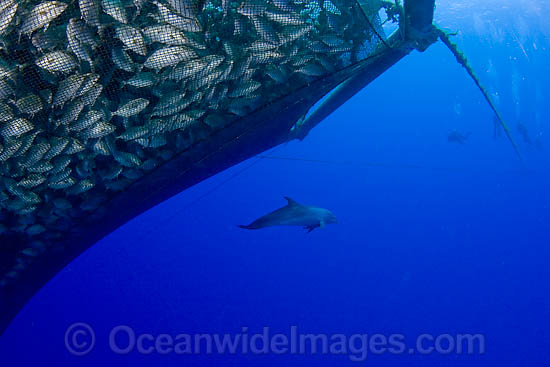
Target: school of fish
{"type": "Point", "coordinates": [94, 94]}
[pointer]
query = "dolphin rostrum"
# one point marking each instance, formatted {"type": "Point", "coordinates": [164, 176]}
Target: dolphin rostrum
{"type": "Point", "coordinates": [294, 214]}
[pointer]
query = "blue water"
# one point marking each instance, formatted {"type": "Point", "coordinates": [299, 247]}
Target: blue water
{"type": "Point", "coordinates": [433, 237]}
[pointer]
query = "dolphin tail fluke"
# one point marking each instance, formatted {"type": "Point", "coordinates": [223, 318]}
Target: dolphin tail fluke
{"type": "Point", "coordinates": [250, 226]}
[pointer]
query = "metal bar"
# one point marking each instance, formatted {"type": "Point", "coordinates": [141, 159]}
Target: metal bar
{"type": "Point", "coordinates": [419, 34]}
{"type": "Point", "coordinates": [342, 93]}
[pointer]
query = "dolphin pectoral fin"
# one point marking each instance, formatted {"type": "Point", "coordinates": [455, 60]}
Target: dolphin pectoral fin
{"type": "Point", "coordinates": [322, 224]}
{"type": "Point", "coordinates": [310, 228]}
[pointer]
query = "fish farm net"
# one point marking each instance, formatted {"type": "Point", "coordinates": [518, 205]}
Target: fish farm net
{"type": "Point", "coordinates": [96, 95]}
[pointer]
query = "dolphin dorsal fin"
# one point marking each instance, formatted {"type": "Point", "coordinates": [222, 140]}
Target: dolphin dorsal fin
{"type": "Point", "coordinates": [292, 202]}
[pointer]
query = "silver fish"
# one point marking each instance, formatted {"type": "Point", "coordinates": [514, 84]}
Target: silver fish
{"type": "Point", "coordinates": [6, 89]}
{"type": "Point", "coordinates": [207, 80]}
{"type": "Point", "coordinates": [99, 130]}
{"type": "Point", "coordinates": [112, 172]}
{"type": "Point", "coordinates": [149, 164]}
{"type": "Point", "coordinates": [115, 9]}
{"type": "Point", "coordinates": [75, 45]}
{"type": "Point", "coordinates": [283, 5]}
{"type": "Point", "coordinates": [264, 29]}
{"type": "Point", "coordinates": [40, 167]}
{"type": "Point", "coordinates": [131, 38]}
{"type": "Point", "coordinates": [301, 60]}
{"type": "Point", "coordinates": [73, 147]}
{"type": "Point", "coordinates": [12, 187]}
{"type": "Point", "coordinates": [30, 197]}
{"type": "Point", "coordinates": [134, 132]}
{"type": "Point", "coordinates": [127, 159]}
{"type": "Point", "coordinates": [122, 60]}
{"type": "Point", "coordinates": [32, 180]}
{"type": "Point", "coordinates": [132, 107]}
{"type": "Point", "coordinates": [87, 84]}
{"type": "Point", "coordinates": [89, 119]}
{"type": "Point", "coordinates": [185, 70]}
{"type": "Point", "coordinates": [185, 8]}
{"type": "Point", "coordinates": [284, 18]}
{"type": "Point", "coordinates": [138, 5]}
{"type": "Point", "coordinates": [165, 34]}
{"type": "Point", "coordinates": [10, 148]}
{"type": "Point", "coordinates": [28, 140]}
{"type": "Point", "coordinates": [132, 174]}
{"type": "Point", "coordinates": [252, 7]}
{"type": "Point", "coordinates": [170, 99]}
{"type": "Point", "coordinates": [41, 16]}
{"type": "Point", "coordinates": [245, 89]}
{"type": "Point", "coordinates": [70, 113]}
{"type": "Point", "coordinates": [85, 168]}
{"type": "Point", "coordinates": [60, 163]}
{"type": "Point", "coordinates": [157, 141]}
{"type": "Point", "coordinates": [44, 41]}
{"type": "Point", "coordinates": [35, 154]}
{"type": "Point", "coordinates": [67, 89]}
{"type": "Point", "coordinates": [4, 4]}
{"type": "Point", "coordinates": [6, 113]}
{"type": "Point", "coordinates": [81, 186]}
{"type": "Point", "coordinates": [30, 104]}
{"type": "Point", "coordinates": [63, 184]}
{"type": "Point", "coordinates": [6, 15]}
{"type": "Point", "coordinates": [261, 46]}
{"type": "Point", "coordinates": [292, 33]}
{"type": "Point", "coordinates": [16, 127]}
{"type": "Point", "coordinates": [46, 95]}
{"type": "Point", "coordinates": [89, 98]}
{"type": "Point", "coordinates": [60, 175]}
{"type": "Point", "coordinates": [169, 56]}
{"type": "Point", "coordinates": [57, 145]}
{"type": "Point", "coordinates": [332, 40]}
{"type": "Point", "coordinates": [57, 62]}
{"type": "Point", "coordinates": [188, 24]}
{"type": "Point", "coordinates": [311, 70]}
{"type": "Point", "coordinates": [318, 47]}
{"type": "Point", "coordinates": [142, 80]}
{"type": "Point", "coordinates": [239, 27]}
{"type": "Point", "coordinates": [85, 34]}
{"type": "Point", "coordinates": [89, 9]}
{"type": "Point", "coordinates": [100, 147]}
{"type": "Point", "coordinates": [277, 74]}
{"type": "Point", "coordinates": [172, 109]}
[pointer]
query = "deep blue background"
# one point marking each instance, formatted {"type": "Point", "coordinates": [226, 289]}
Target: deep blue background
{"type": "Point", "coordinates": [433, 237]}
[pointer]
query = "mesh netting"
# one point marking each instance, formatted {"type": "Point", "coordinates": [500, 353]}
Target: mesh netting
{"type": "Point", "coordinates": [95, 95]}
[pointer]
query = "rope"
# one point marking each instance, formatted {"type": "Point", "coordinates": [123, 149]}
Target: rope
{"type": "Point", "coordinates": [462, 60]}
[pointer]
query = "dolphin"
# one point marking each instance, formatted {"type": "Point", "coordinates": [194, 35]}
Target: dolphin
{"type": "Point", "coordinates": [524, 133]}
{"type": "Point", "coordinates": [295, 214]}
{"type": "Point", "coordinates": [457, 137]}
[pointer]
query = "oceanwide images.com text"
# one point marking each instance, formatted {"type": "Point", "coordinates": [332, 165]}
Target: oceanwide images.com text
{"type": "Point", "coordinates": [80, 340]}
